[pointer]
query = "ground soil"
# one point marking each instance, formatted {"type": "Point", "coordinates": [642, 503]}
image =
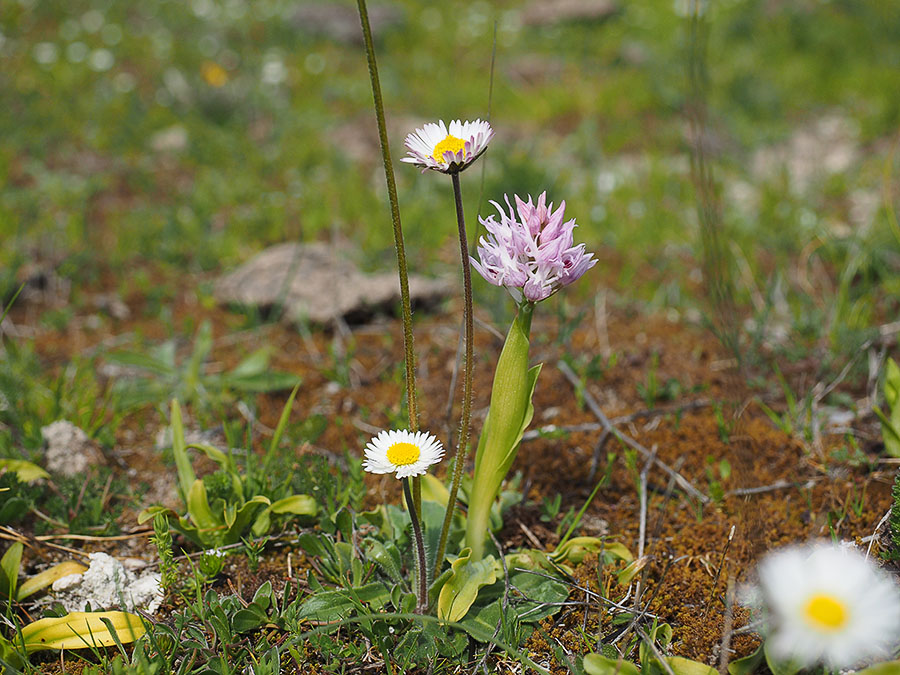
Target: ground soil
{"type": "Point", "coordinates": [780, 489]}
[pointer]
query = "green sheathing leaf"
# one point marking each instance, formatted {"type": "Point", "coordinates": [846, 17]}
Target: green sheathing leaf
{"type": "Point", "coordinates": [461, 589]}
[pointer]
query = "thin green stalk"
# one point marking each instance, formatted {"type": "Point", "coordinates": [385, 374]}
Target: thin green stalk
{"type": "Point", "coordinates": [421, 570]}
{"type": "Point", "coordinates": [406, 311]}
{"type": "Point", "coordinates": [462, 448]}
{"type": "Point", "coordinates": [405, 307]}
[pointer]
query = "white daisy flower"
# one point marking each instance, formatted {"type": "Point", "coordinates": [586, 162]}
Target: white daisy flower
{"type": "Point", "coordinates": [402, 452]}
{"type": "Point", "coordinates": [829, 605]}
{"type": "Point", "coordinates": [435, 147]}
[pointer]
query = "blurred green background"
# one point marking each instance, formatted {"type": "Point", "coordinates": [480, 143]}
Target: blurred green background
{"type": "Point", "coordinates": [188, 135]}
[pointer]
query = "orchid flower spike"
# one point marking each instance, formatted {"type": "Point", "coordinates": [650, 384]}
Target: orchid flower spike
{"type": "Point", "coordinates": [531, 250]}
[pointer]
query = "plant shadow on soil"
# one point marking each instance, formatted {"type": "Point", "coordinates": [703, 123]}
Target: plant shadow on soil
{"type": "Point", "coordinates": [711, 416]}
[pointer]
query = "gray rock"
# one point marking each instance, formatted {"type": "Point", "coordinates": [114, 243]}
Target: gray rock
{"type": "Point", "coordinates": [69, 450]}
{"type": "Point", "coordinates": [549, 12]}
{"type": "Point", "coordinates": [315, 283]}
{"type": "Point", "coordinates": [340, 22]}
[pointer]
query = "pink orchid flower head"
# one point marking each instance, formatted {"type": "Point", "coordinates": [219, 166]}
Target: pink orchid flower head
{"type": "Point", "coordinates": [530, 250]}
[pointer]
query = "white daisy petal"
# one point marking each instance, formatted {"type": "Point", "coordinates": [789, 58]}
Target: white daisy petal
{"type": "Point", "coordinates": [829, 605]}
{"type": "Point", "coordinates": [403, 453]}
{"type": "Point", "coordinates": [452, 150]}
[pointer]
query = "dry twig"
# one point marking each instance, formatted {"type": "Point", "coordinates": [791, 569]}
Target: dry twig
{"type": "Point", "coordinates": [683, 482]}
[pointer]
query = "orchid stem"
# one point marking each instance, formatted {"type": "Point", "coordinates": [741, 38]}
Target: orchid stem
{"type": "Point", "coordinates": [462, 448]}
{"type": "Point", "coordinates": [405, 305]}
{"type": "Point", "coordinates": [421, 571]}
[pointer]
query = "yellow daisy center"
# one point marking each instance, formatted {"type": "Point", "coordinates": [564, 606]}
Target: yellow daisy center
{"type": "Point", "coordinates": [451, 143]}
{"type": "Point", "coordinates": [403, 454]}
{"type": "Point", "coordinates": [826, 612]}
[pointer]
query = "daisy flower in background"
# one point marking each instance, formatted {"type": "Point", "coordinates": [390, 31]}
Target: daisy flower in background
{"type": "Point", "coordinates": [402, 452]}
{"type": "Point", "coordinates": [435, 147]}
{"type": "Point", "coordinates": [531, 250]}
{"type": "Point", "coordinates": [828, 605]}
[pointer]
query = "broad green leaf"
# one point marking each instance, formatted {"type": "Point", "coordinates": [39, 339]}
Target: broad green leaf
{"type": "Point", "coordinates": [336, 605]}
{"type": "Point", "coordinates": [890, 422]}
{"type": "Point", "coordinates": [25, 471]}
{"type": "Point", "coordinates": [264, 597]}
{"type": "Point", "coordinates": [254, 364]}
{"type": "Point", "coordinates": [388, 560]}
{"type": "Point", "coordinates": [626, 575]}
{"type": "Point", "coordinates": [748, 664]}
{"type": "Point", "coordinates": [214, 454]}
{"type": "Point", "coordinates": [40, 581]}
{"type": "Point", "coordinates": [461, 589]}
{"type": "Point", "coordinates": [301, 505]}
{"type": "Point", "coordinates": [779, 667]}
{"type": "Point", "coordinates": [542, 596]}
{"type": "Point", "coordinates": [242, 518]}
{"type": "Point", "coordinates": [12, 509]}
{"type": "Point", "coordinates": [248, 619]}
{"type": "Point", "coordinates": [434, 490]}
{"type": "Point", "coordinates": [614, 550]}
{"type": "Point", "coordinates": [892, 384]}
{"type": "Point", "coordinates": [78, 630]}
{"type": "Point", "coordinates": [198, 507]}
{"type": "Point", "coordinates": [660, 634]}
{"type": "Point", "coordinates": [597, 664]}
{"type": "Point", "coordinates": [151, 512]}
{"type": "Point", "coordinates": [575, 550]}
{"type": "Point", "coordinates": [434, 590]}
{"type": "Point", "coordinates": [528, 559]}
{"type": "Point", "coordinates": [10, 655]}
{"type": "Point", "coordinates": [482, 623]}
{"type": "Point", "coordinates": [9, 569]}
{"type": "Point", "coordinates": [186, 476]}
{"type": "Point", "coordinates": [682, 666]}
{"type": "Point", "coordinates": [529, 415]}
{"type": "Point", "coordinates": [432, 522]}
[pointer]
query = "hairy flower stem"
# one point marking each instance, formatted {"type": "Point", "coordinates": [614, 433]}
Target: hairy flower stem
{"type": "Point", "coordinates": [421, 571]}
{"type": "Point", "coordinates": [405, 308]}
{"type": "Point", "coordinates": [462, 448]}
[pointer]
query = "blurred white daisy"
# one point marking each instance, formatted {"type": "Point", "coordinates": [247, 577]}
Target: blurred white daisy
{"type": "Point", "coordinates": [828, 605]}
{"type": "Point", "coordinates": [402, 452]}
{"type": "Point", "coordinates": [448, 150]}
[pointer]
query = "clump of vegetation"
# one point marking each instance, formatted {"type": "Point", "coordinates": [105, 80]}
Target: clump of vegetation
{"type": "Point", "coordinates": [231, 507]}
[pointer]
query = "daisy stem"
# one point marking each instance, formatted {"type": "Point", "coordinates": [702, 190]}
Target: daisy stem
{"type": "Point", "coordinates": [421, 572]}
{"type": "Point", "coordinates": [465, 418]}
{"type": "Point", "coordinates": [405, 308]}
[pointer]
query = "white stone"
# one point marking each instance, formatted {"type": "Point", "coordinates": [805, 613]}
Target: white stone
{"type": "Point", "coordinates": [70, 452]}
{"type": "Point", "coordinates": [108, 584]}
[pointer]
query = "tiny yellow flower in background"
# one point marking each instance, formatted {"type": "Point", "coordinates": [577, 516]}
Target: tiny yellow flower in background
{"type": "Point", "coordinates": [214, 74]}
{"type": "Point", "coordinates": [828, 605]}
{"type": "Point", "coordinates": [436, 147]}
{"type": "Point", "coordinates": [402, 452]}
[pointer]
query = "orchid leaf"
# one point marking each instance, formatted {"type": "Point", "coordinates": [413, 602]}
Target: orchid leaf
{"type": "Point", "coordinates": [186, 476]}
{"type": "Point", "coordinates": [25, 471]}
{"type": "Point", "coordinates": [40, 581]}
{"type": "Point", "coordinates": [597, 664]}
{"type": "Point", "coordinates": [78, 630]}
{"type": "Point", "coordinates": [9, 569]}
{"type": "Point", "coordinates": [461, 589]}
{"type": "Point", "coordinates": [748, 664]}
